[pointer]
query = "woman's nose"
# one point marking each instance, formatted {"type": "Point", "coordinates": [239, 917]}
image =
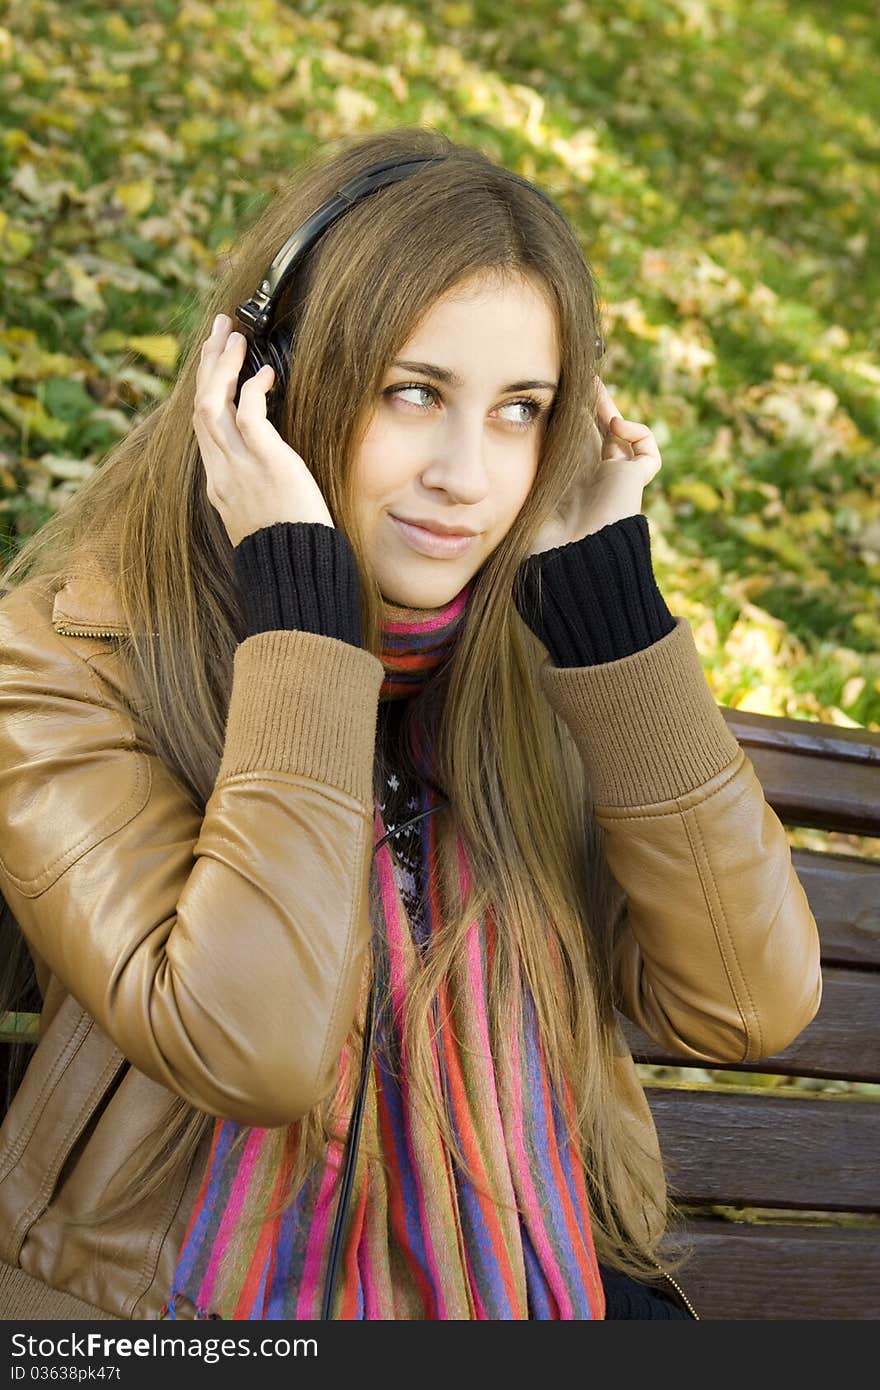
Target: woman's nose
{"type": "Point", "coordinates": [457, 460]}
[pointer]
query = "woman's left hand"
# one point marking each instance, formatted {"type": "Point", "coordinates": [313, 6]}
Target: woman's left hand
{"type": "Point", "coordinates": [630, 458]}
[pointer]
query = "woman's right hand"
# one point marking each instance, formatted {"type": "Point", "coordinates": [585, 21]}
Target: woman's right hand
{"type": "Point", "coordinates": [254, 479]}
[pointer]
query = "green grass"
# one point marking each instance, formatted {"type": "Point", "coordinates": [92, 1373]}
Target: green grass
{"type": "Point", "coordinates": [720, 160]}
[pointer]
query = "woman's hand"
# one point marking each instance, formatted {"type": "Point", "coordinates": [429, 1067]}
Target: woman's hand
{"type": "Point", "coordinates": [254, 479]}
{"type": "Point", "coordinates": [629, 460]}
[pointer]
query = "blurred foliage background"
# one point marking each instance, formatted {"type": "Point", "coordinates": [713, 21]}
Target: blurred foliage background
{"type": "Point", "coordinates": [720, 160]}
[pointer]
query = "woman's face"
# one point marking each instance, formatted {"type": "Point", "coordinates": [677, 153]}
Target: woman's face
{"type": "Point", "coordinates": [455, 437]}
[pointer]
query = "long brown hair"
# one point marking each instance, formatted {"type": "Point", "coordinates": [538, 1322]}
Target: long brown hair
{"type": "Point", "coordinates": [518, 792]}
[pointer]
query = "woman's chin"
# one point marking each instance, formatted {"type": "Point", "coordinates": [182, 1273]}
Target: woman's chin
{"type": "Point", "coordinates": [403, 598]}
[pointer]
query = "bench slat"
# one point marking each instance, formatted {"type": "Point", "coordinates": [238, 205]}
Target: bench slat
{"type": "Point", "coordinates": [804, 737]}
{"type": "Point", "coordinates": [813, 774]}
{"type": "Point", "coordinates": [843, 1040]}
{"type": "Point", "coordinates": [844, 895]}
{"type": "Point", "coordinates": [739, 1270]}
{"type": "Point", "coordinates": [769, 1150]}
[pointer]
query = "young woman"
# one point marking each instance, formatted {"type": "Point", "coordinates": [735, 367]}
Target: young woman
{"type": "Point", "coordinates": [274, 752]}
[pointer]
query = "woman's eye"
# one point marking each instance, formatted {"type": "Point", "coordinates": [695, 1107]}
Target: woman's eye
{"type": "Point", "coordinates": [532, 409]}
{"type": "Point", "coordinates": [399, 390]}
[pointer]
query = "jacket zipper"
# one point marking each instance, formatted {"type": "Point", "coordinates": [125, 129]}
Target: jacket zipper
{"type": "Point", "coordinates": [74, 630]}
{"type": "Point", "coordinates": [681, 1293]}
{"type": "Point", "coordinates": [70, 630]}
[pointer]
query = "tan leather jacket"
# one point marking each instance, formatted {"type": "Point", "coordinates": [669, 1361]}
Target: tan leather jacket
{"type": "Point", "coordinates": [220, 959]}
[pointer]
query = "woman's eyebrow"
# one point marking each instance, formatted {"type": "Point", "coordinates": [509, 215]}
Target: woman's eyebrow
{"type": "Point", "coordinates": [450, 378]}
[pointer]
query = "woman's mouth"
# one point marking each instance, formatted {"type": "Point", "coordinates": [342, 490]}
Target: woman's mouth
{"type": "Point", "coordinates": [430, 543]}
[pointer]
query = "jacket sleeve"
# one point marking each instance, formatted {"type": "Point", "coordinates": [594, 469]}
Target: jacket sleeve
{"type": "Point", "coordinates": [717, 950]}
{"type": "Point", "coordinates": [223, 953]}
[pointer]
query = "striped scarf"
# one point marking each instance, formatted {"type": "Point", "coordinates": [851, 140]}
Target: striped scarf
{"type": "Point", "coordinates": [421, 1240]}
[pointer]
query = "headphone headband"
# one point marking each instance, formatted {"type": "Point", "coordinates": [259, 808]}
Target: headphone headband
{"type": "Point", "coordinates": [255, 317]}
{"type": "Point", "coordinates": [258, 312]}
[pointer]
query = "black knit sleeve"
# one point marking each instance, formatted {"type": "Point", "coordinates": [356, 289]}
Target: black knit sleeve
{"type": "Point", "coordinates": [299, 574]}
{"type": "Point", "coordinates": [595, 600]}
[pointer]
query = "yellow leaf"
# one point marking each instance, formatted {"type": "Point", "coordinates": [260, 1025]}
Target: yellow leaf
{"type": "Point", "coordinates": [760, 700]}
{"type": "Point", "coordinates": [838, 717]}
{"type": "Point", "coordinates": [16, 140]}
{"type": "Point", "coordinates": [196, 131]}
{"type": "Point", "coordinates": [58, 117]}
{"type": "Point", "coordinates": [15, 243]}
{"type": "Point", "coordinates": [867, 624]}
{"type": "Point", "coordinates": [32, 67]}
{"type": "Point", "coordinates": [852, 690]}
{"type": "Point", "coordinates": [160, 348]}
{"type": "Point", "coordinates": [704, 497]}
{"type": "Point", "coordinates": [29, 415]}
{"type": "Point", "coordinates": [777, 541]}
{"type": "Point", "coordinates": [811, 520]}
{"type": "Point", "coordinates": [82, 288]}
{"type": "Point", "coordinates": [116, 27]}
{"type": "Point", "coordinates": [110, 341]}
{"type": "Point", "coordinates": [457, 15]}
{"type": "Point", "coordinates": [135, 197]}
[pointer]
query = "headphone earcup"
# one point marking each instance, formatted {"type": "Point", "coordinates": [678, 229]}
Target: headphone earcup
{"type": "Point", "coordinates": [272, 351]}
{"type": "Point", "coordinates": [253, 361]}
{"type": "Point", "coordinates": [278, 349]}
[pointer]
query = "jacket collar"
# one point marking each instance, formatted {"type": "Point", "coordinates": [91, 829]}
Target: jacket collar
{"type": "Point", "coordinates": [86, 603]}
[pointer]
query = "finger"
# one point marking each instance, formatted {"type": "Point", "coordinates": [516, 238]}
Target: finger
{"type": "Point", "coordinates": [630, 430]}
{"type": "Point", "coordinates": [251, 413]}
{"type": "Point", "coordinates": [215, 411]}
{"type": "Point", "coordinates": [212, 346]}
{"type": "Point", "coordinates": [221, 372]}
{"type": "Point", "coordinates": [646, 448]}
{"type": "Point", "coordinates": [606, 408]}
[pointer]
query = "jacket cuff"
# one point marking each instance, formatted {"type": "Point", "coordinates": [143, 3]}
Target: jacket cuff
{"type": "Point", "coordinates": [596, 599]}
{"type": "Point", "coordinates": [647, 727]}
{"type": "Point", "coordinates": [299, 574]}
{"type": "Point", "coordinates": [305, 706]}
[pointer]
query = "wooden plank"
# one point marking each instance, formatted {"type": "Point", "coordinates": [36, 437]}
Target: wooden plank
{"type": "Point", "coordinates": [804, 737]}
{"type": "Point", "coordinates": [844, 894]}
{"type": "Point", "coordinates": [779, 1271]}
{"type": "Point", "coordinates": [768, 1149]}
{"type": "Point", "coordinates": [843, 1040]}
{"type": "Point", "coordinates": [813, 774]}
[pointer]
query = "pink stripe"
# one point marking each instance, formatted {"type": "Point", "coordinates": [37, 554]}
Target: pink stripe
{"type": "Point", "coordinates": [230, 1215]}
{"type": "Point", "coordinates": [537, 1229]}
{"type": "Point", "coordinates": [369, 1286]}
{"type": "Point", "coordinates": [315, 1251]}
{"type": "Point", "coordinates": [398, 995]}
{"type": "Point", "coordinates": [480, 990]}
{"type": "Point", "coordinates": [475, 970]}
{"type": "Point", "coordinates": [311, 1283]}
{"type": "Point", "coordinates": [479, 995]}
{"type": "Point", "coordinates": [440, 619]}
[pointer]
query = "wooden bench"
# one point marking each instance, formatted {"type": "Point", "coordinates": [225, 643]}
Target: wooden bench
{"type": "Point", "coordinates": [781, 1187]}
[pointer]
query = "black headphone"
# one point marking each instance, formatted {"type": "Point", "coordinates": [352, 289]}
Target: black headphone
{"type": "Point", "coordinates": [270, 344]}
